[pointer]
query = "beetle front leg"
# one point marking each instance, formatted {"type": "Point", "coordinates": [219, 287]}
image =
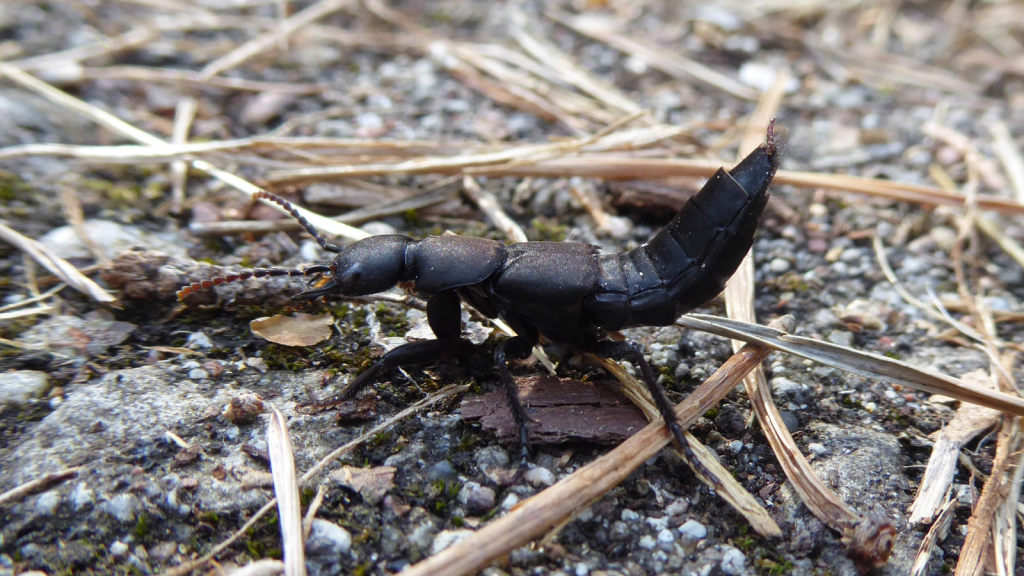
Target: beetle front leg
{"type": "Point", "coordinates": [631, 352]}
{"type": "Point", "coordinates": [516, 348]}
{"type": "Point", "coordinates": [445, 317]}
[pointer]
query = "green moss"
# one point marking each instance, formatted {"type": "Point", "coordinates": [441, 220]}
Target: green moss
{"type": "Point", "coordinates": [142, 527]}
{"type": "Point", "coordinates": [544, 229]}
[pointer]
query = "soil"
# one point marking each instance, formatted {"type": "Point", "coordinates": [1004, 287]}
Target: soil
{"type": "Point", "coordinates": [117, 385]}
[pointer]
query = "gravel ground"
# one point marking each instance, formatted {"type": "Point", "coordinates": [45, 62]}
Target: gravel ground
{"type": "Point", "coordinates": [105, 388]}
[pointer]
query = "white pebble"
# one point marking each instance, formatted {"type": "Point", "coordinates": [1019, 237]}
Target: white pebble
{"type": "Point", "coordinates": [733, 562]}
{"type": "Point", "coordinates": [692, 530]}
{"type": "Point", "coordinates": [448, 537]}
{"type": "Point", "coordinates": [538, 477]}
{"type": "Point", "coordinates": [779, 265]}
{"type": "Point", "coordinates": [666, 536]}
{"type": "Point", "coordinates": [647, 542]}
{"type": "Point", "coordinates": [629, 515]}
{"type": "Point", "coordinates": [118, 549]}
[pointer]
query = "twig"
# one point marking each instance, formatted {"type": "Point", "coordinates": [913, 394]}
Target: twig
{"type": "Point", "coordinates": [547, 509]}
{"type": "Point", "coordinates": [999, 489]}
{"type": "Point", "coordinates": [19, 492]}
{"type": "Point", "coordinates": [59, 266]}
{"type": "Point", "coordinates": [488, 204]}
{"type": "Point", "coordinates": [969, 421]}
{"type": "Point", "coordinates": [184, 113]}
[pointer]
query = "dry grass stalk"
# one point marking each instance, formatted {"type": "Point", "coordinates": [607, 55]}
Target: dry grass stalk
{"type": "Point", "coordinates": [489, 205]}
{"type": "Point", "coordinates": [869, 541]}
{"type": "Point", "coordinates": [936, 533]}
{"type": "Point", "coordinates": [184, 113]}
{"type": "Point", "coordinates": [722, 482]}
{"type": "Point", "coordinates": [1009, 154]}
{"type": "Point", "coordinates": [190, 78]}
{"type": "Point", "coordinates": [267, 40]}
{"type": "Point", "coordinates": [514, 160]}
{"type": "Point", "coordinates": [265, 567]}
{"type": "Point", "coordinates": [969, 421]}
{"type": "Point", "coordinates": [33, 299]}
{"type": "Point", "coordinates": [1002, 488]}
{"type": "Point", "coordinates": [936, 312]}
{"type": "Point", "coordinates": [286, 489]}
{"type": "Point", "coordinates": [121, 127]}
{"type": "Point", "coordinates": [858, 362]}
{"type": "Point", "coordinates": [75, 216]}
{"type": "Point", "coordinates": [57, 265]}
{"type": "Point", "coordinates": [445, 392]}
{"type": "Point", "coordinates": [562, 64]}
{"type": "Point", "coordinates": [547, 509]}
{"type": "Point", "coordinates": [165, 152]}
{"type": "Point", "coordinates": [19, 492]}
{"type": "Point", "coordinates": [106, 47]}
{"type": "Point", "coordinates": [307, 520]}
{"type": "Point", "coordinates": [667, 61]}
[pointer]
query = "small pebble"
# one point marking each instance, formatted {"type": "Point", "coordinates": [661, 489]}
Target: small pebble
{"type": "Point", "coordinates": [790, 420]}
{"type": "Point", "coordinates": [678, 507]}
{"type": "Point", "coordinates": [442, 470]}
{"type": "Point", "coordinates": [841, 337]}
{"type": "Point", "coordinates": [327, 539]}
{"type": "Point", "coordinates": [692, 531]}
{"type": "Point", "coordinates": [20, 386]}
{"type": "Point", "coordinates": [778, 266]}
{"type": "Point", "coordinates": [817, 448]}
{"type": "Point", "coordinates": [665, 536]}
{"type": "Point", "coordinates": [446, 538]}
{"type": "Point", "coordinates": [118, 549]}
{"type": "Point", "coordinates": [582, 569]}
{"type": "Point", "coordinates": [647, 542]}
{"type": "Point", "coordinates": [476, 498]}
{"type": "Point", "coordinates": [735, 446]}
{"type": "Point", "coordinates": [538, 477]}
{"type": "Point", "coordinates": [733, 562]}
{"type": "Point", "coordinates": [198, 374]}
{"type": "Point", "coordinates": [629, 515]}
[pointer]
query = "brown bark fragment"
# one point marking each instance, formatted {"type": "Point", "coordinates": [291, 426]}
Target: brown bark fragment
{"type": "Point", "coordinates": [561, 411]}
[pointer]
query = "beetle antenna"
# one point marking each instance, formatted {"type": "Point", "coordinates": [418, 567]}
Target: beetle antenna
{"type": "Point", "coordinates": [194, 287]}
{"type": "Point", "coordinates": [327, 246]}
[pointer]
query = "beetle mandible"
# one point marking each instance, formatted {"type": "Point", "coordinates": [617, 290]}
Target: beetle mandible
{"type": "Point", "coordinates": [567, 291]}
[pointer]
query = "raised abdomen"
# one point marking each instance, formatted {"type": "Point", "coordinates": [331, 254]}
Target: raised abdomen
{"type": "Point", "coordinates": [689, 261]}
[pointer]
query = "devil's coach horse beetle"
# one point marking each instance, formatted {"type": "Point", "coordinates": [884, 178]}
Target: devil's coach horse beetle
{"type": "Point", "coordinates": [566, 291]}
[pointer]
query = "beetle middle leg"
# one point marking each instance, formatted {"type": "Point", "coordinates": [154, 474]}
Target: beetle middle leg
{"type": "Point", "coordinates": [445, 318]}
{"type": "Point", "coordinates": [630, 351]}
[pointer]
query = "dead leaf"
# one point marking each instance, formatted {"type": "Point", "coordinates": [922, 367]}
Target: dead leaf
{"type": "Point", "coordinates": [371, 483]}
{"type": "Point", "coordinates": [298, 330]}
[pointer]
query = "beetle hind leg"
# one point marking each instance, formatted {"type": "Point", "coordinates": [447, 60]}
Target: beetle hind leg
{"type": "Point", "coordinates": [516, 348]}
{"type": "Point", "coordinates": [631, 352]}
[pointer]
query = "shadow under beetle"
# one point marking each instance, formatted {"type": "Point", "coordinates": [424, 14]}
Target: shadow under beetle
{"type": "Point", "coordinates": [566, 291]}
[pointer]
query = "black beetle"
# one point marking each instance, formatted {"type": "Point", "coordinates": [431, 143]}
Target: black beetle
{"type": "Point", "coordinates": [567, 291]}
